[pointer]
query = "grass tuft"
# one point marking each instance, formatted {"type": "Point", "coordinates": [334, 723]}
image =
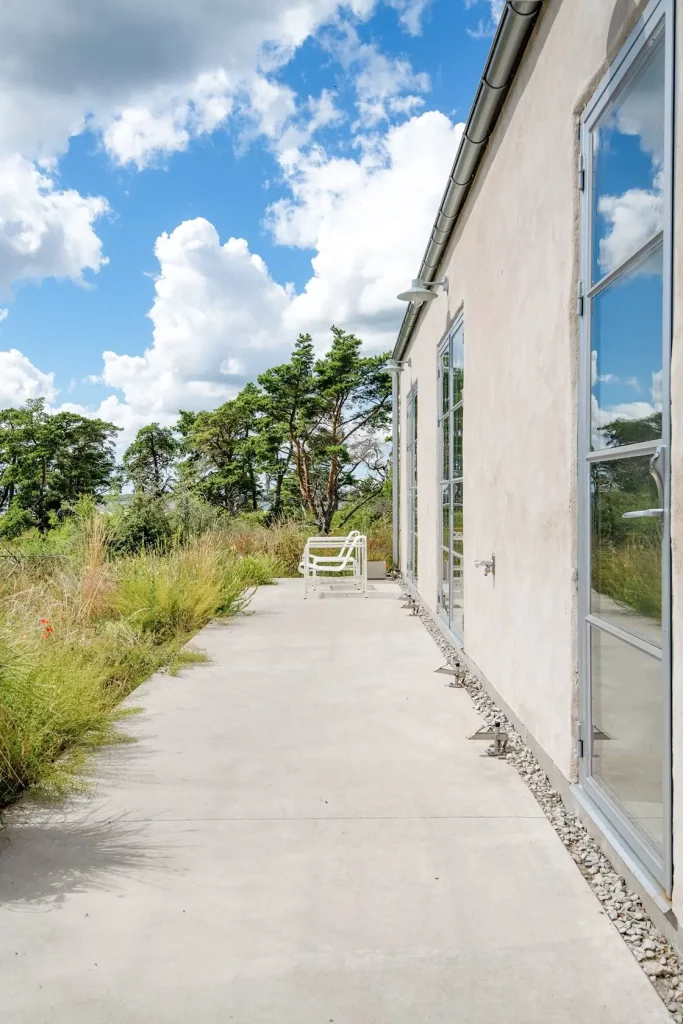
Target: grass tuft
{"type": "Point", "coordinates": [80, 630]}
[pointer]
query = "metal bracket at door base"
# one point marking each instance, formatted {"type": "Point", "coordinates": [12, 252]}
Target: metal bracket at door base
{"type": "Point", "coordinates": [500, 739]}
{"type": "Point", "coordinates": [449, 670]}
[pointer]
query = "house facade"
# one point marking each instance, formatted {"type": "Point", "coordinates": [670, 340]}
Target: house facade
{"type": "Point", "coordinates": [539, 414]}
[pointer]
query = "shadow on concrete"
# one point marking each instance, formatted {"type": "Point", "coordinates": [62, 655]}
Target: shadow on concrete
{"type": "Point", "coordinates": [43, 859]}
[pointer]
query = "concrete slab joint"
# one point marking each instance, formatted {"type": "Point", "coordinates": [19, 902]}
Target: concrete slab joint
{"type": "Point", "coordinates": [317, 843]}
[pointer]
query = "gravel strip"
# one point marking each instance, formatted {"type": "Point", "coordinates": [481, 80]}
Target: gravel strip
{"type": "Point", "coordinates": [659, 960]}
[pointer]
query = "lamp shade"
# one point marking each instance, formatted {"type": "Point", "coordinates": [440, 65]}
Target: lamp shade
{"type": "Point", "coordinates": [418, 292]}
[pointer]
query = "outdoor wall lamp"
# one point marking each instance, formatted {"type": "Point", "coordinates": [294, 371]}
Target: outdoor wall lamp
{"type": "Point", "coordinates": [421, 291]}
{"type": "Point", "coordinates": [395, 366]}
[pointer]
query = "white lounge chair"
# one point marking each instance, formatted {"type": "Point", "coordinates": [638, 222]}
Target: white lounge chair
{"type": "Point", "coordinates": [350, 557]}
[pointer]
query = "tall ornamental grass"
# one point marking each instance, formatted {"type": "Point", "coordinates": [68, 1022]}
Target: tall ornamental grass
{"type": "Point", "coordinates": [79, 631]}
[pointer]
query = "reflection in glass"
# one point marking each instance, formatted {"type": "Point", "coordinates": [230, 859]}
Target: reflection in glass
{"type": "Point", "coordinates": [628, 730]}
{"type": "Point", "coordinates": [457, 609]}
{"type": "Point", "coordinates": [626, 372]}
{"type": "Point", "coordinates": [451, 426]}
{"type": "Point", "coordinates": [628, 148]}
{"type": "Point", "coordinates": [457, 512]}
{"type": "Point", "coordinates": [626, 559]}
{"type": "Point", "coordinates": [458, 363]}
{"type": "Point", "coordinates": [445, 514]}
{"type": "Point", "coordinates": [445, 585]}
{"type": "Point", "coordinates": [457, 443]}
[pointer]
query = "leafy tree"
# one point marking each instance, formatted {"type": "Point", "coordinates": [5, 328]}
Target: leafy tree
{"type": "Point", "coordinates": [149, 461]}
{"type": "Point", "coordinates": [334, 410]}
{"type": "Point", "coordinates": [142, 522]}
{"type": "Point", "coordinates": [222, 449]}
{"type": "Point", "coordinates": [289, 403]}
{"type": "Point", "coordinates": [620, 432]}
{"type": "Point", "coordinates": [47, 461]}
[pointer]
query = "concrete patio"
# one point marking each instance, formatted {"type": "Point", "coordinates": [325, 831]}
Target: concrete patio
{"type": "Point", "coordinates": [302, 834]}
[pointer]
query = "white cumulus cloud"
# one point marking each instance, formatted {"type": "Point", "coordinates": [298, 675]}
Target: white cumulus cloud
{"type": "Point", "coordinates": [218, 316]}
{"type": "Point", "coordinates": [20, 380]}
{"type": "Point", "coordinates": [151, 76]}
{"type": "Point", "coordinates": [368, 220]}
{"type": "Point", "coordinates": [630, 219]}
{"type": "Point", "coordinates": [45, 231]}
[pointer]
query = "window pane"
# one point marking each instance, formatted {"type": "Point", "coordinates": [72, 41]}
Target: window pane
{"type": "Point", "coordinates": [457, 443]}
{"type": "Point", "coordinates": [626, 402]}
{"type": "Point", "coordinates": [445, 514]}
{"type": "Point", "coordinates": [628, 156]}
{"type": "Point", "coordinates": [445, 382]}
{"type": "Point", "coordinates": [445, 585]}
{"type": "Point", "coordinates": [626, 563]}
{"type": "Point", "coordinates": [458, 365]}
{"type": "Point", "coordinates": [629, 744]}
{"type": "Point", "coordinates": [446, 468]}
{"type": "Point", "coordinates": [457, 516]}
{"type": "Point", "coordinates": [457, 595]}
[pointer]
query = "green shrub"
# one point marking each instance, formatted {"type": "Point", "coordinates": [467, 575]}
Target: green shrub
{"type": "Point", "coordinates": [142, 523]}
{"type": "Point", "coordinates": [15, 521]}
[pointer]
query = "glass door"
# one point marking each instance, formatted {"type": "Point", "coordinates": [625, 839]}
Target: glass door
{"type": "Point", "coordinates": [625, 750]}
{"type": "Point", "coordinates": [411, 466]}
{"type": "Point", "coordinates": [451, 550]}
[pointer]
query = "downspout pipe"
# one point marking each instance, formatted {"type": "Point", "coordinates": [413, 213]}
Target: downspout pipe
{"type": "Point", "coordinates": [514, 29]}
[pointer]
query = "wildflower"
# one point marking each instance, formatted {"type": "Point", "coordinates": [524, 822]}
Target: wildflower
{"type": "Point", "coordinates": [47, 630]}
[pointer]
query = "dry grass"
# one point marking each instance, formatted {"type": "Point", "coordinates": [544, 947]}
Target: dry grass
{"type": "Point", "coordinates": [632, 575]}
{"type": "Point", "coordinates": [80, 631]}
{"type": "Point", "coordinates": [284, 542]}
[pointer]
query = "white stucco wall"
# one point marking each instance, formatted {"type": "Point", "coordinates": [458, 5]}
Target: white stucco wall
{"type": "Point", "coordinates": [513, 265]}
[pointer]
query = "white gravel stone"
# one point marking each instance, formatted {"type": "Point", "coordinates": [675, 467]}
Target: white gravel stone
{"type": "Point", "coordinates": [660, 962]}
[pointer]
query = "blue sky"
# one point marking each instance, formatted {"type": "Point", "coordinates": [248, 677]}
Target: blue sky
{"type": "Point", "coordinates": [132, 151]}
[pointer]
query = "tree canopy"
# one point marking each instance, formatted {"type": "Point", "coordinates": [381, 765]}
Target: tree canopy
{"type": "Point", "coordinates": [306, 439]}
{"type": "Point", "coordinates": [48, 461]}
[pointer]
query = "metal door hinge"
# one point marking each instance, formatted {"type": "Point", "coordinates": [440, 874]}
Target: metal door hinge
{"type": "Point", "coordinates": [579, 299]}
{"type": "Point", "coordinates": [579, 741]}
{"type": "Point", "coordinates": [581, 174]}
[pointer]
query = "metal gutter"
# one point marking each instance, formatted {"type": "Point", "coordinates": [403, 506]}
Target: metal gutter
{"type": "Point", "coordinates": [514, 29]}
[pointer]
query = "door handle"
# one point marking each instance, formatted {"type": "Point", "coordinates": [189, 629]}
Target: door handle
{"type": "Point", "coordinates": [644, 513]}
{"type": "Point", "coordinates": [658, 469]}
